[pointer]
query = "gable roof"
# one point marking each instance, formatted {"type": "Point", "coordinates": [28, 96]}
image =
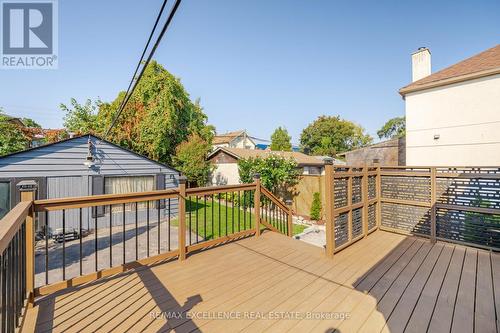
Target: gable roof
{"type": "Point", "coordinates": [227, 137]}
{"type": "Point", "coordinates": [483, 64]}
{"type": "Point", "coordinates": [95, 137]}
{"type": "Point", "coordinates": [300, 158]}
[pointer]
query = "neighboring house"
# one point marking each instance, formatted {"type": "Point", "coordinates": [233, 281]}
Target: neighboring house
{"type": "Point", "coordinates": [453, 116]}
{"type": "Point", "coordinates": [225, 161]}
{"type": "Point", "coordinates": [386, 153]}
{"type": "Point", "coordinates": [82, 166]}
{"type": "Point", "coordinates": [238, 139]}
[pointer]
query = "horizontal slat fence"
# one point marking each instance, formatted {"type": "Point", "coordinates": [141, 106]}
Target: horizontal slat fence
{"type": "Point", "coordinates": [456, 204]}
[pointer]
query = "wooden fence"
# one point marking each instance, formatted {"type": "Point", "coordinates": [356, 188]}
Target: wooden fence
{"type": "Point", "coordinates": [455, 204]}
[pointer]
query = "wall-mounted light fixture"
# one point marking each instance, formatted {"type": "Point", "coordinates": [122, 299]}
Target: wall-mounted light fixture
{"type": "Point", "coordinates": [436, 136]}
{"type": "Point", "coordinates": [89, 160]}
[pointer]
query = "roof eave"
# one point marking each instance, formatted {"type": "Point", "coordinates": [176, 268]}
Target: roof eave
{"type": "Point", "coordinates": [472, 76]}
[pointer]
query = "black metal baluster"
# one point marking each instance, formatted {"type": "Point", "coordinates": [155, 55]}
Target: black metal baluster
{"type": "Point", "coordinates": [123, 232]}
{"type": "Point", "coordinates": [213, 204]}
{"type": "Point", "coordinates": [168, 225]}
{"type": "Point", "coordinates": [219, 195]}
{"type": "Point", "coordinates": [159, 225]}
{"type": "Point", "coordinates": [15, 279]}
{"type": "Point", "coordinates": [239, 211]}
{"type": "Point", "coordinates": [3, 299]}
{"type": "Point", "coordinates": [80, 219]}
{"type": "Point", "coordinates": [281, 221]}
{"type": "Point", "coordinates": [250, 209]}
{"type": "Point", "coordinates": [64, 244]}
{"type": "Point", "coordinates": [232, 212]}
{"type": "Point", "coordinates": [136, 231]}
{"type": "Point", "coordinates": [196, 220]}
{"type": "Point", "coordinates": [110, 236]}
{"type": "Point", "coordinates": [22, 264]}
{"type": "Point", "coordinates": [46, 247]}
{"type": "Point", "coordinates": [147, 226]}
{"type": "Point", "coordinates": [225, 201]}
{"type": "Point", "coordinates": [204, 217]}
{"type": "Point", "coordinates": [9, 289]}
{"type": "Point", "coordinates": [95, 240]}
{"type": "Point", "coordinates": [189, 215]}
{"type": "Point", "coordinates": [244, 211]}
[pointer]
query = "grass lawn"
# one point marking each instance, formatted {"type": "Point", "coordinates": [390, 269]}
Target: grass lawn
{"type": "Point", "coordinates": [212, 220]}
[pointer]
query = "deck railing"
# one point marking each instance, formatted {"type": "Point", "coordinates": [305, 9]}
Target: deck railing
{"type": "Point", "coordinates": [16, 265]}
{"type": "Point", "coordinates": [48, 245]}
{"type": "Point", "coordinates": [455, 204]}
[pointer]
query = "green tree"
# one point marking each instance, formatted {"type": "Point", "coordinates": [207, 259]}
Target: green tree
{"type": "Point", "coordinates": [12, 138]}
{"type": "Point", "coordinates": [329, 135]}
{"type": "Point", "coordinates": [28, 122]}
{"type": "Point", "coordinates": [280, 140]}
{"type": "Point", "coordinates": [277, 174]}
{"type": "Point", "coordinates": [393, 128]}
{"type": "Point", "coordinates": [81, 118]}
{"type": "Point", "coordinates": [158, 117]}
{"type": "Point", "coordinates": [316, 206]}
{"type": "Point", "coordinates": [190, 159]}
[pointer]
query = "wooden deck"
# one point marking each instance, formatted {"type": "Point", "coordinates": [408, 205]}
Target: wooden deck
{"type": "Point", "coordinates": [386, 282]}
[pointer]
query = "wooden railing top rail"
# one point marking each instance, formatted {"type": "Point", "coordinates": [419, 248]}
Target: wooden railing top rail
{"type": "Point", "coordinates": [273, 198]}
{"type": "Point", "coordinates": [11, 223]}
{"type": "Point", "coordinates": [103, 199]}
{"type": "Point", "coordinates": [114, 199]}
{"type": "Point", "coordinates": [219, 189]}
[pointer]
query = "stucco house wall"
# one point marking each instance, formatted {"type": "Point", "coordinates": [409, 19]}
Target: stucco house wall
{"type": "Point", "coordinates": [456, 125]}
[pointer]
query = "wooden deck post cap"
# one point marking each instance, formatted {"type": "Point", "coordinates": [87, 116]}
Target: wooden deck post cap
{"type": "Point", "coordinates": [289, 202]}
{"type": "Point", "coordinates": [328, 160]}
{"type": "Point", "coordinates": [182, 179]}
{"type": "Point", "coordinates": [27, 186]}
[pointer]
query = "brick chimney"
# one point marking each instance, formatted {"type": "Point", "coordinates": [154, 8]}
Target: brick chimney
{"type": "Point", "coordinates": [421, 63]}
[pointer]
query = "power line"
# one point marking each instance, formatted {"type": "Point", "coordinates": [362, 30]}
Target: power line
{"type": "Point", "coordinates": [143, 53]}
{"type": "Point", "coordinates": [150, 56]}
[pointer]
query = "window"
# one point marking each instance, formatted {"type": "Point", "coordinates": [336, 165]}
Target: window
{"type": "Point", "coordinates": [4, 198]}
{"type": "Point", "coordinates": [128, 184]}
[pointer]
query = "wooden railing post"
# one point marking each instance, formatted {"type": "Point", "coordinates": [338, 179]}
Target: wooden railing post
{"type": "Point", "coordinates": [182, 217]}
{"type": "Point", "coordinates": [289, 204]}
{"type": "Point", "coordinates": [433, 204]}
{"type": "Point", "coordinates": [378, 190]}
{"type": "Point", "coordinates": [28, 189]}
{"type": "Point", "coordinates": [329, 207]}
{"type": "Point", "coordinates": [364, 193]}
{"type": "Point", "coordinates": [256, 200]}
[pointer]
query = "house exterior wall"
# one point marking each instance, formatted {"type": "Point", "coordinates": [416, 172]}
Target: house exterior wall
{"type": "Point", "coordinates": [465, 116]}
{"type": "Point", "coordinates": [225, 174]}
{"type": "Point", "coordinates": [242, 142]}
{"type": "Point", "coordinates": [60, 172]}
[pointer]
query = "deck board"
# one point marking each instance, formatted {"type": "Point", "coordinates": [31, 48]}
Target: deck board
{"type": "Point", "coordinates": [386, 282]}
{"type": "Point", "coordinates": [422, 312]}
{"type": "Point", "coordinates": [463, 318]}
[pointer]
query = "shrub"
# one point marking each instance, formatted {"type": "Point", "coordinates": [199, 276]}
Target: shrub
{"type": "Point", "coordinates": [316, 207]}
